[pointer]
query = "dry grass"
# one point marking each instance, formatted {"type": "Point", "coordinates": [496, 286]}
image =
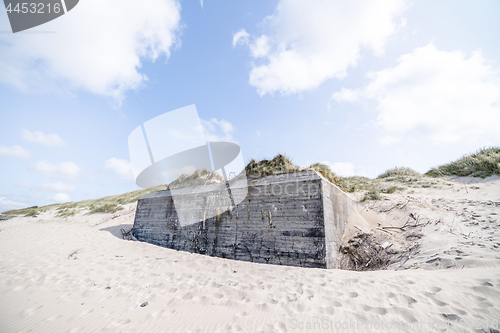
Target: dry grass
{"type": "Point", "coordinates": [325, 171]}
{"type": "Point", "coordinates": [389, 182]}
{"type": "Point", "coordinates": [199, 177]}
{"type": "Point", "coordinates": [282, 164]}
{"type": "Point", "coordinates": [279, 164]}
{"type": "Point", "coordinates": [379, 249]}
{"type": "Point", "coordinates": [372, 194]}
{"type": "Point", "coordinates": [358, 183]}
{"type": "Point", "coordinates": [363, 253]}
{"type": "Point", "coordinates": [30, 211]}
{"type": "Point", "coordinates": [109, 204]}
{"type": "Point", "coordinates": [483, 163]}
{"type": "Point", "coordinates": [400, 174]}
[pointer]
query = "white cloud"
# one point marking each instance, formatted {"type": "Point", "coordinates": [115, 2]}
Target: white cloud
{"type": "Point", "coordinates": [347, 95]}
{"type": "Point", "coordinates": [218, 130]}
{"type": "Point", "coordinates": [344, 169]}
{"type": "Point", "coordinates": [201, 3]}
{"type": "Point", "coordinates": [15, 151]}
{"type": "Point", "coordinates": [121, 168]}
{"type": "Point", "coordinates": [55, 187]}
{"type": "Point", "coordinates": [99, 46]}
{"type": "Point", "coordinates": [308, 42]}
{"type": "Point", "coordinates": [64, 170]}
{"type": "Point", "coordinates": [40, 137]}
{"type": "Point", "coordinates": [434, 94]}
{"type": "Point", "coordinates": [240, 38]}
{"type": "Point", "coordinates": [60, 198]}
{"type": "Point", "coordinates": [7, 204]}
{"type": "Point", "coordinates": [260, 47]}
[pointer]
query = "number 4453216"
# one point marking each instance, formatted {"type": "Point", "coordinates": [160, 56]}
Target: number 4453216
{"type": "Point", "coordinates": [39, 8]}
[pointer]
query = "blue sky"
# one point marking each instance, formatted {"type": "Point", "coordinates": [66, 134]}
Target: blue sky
{"type": "Point", "coordinates": [363, 86]}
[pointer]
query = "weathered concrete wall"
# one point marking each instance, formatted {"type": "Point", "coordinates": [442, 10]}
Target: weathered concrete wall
{"type": "Point", "coordinates": [294, 219]}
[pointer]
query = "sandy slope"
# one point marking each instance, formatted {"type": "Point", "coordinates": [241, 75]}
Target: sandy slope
{"type": "Point", "coordinates": [451, 285]}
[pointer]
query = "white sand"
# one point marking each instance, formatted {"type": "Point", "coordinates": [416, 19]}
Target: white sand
{"type": "Point", "coordinates": [101, 287]}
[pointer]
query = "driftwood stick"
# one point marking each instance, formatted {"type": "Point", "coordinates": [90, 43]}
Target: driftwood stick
{"type": "Point", "coordinates": [396, 205]}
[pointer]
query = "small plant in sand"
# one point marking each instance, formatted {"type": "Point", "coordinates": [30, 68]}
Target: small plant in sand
{"type": "Point", "coordinates": [66, 212]}
{"type": "Point", "coordinates": [73, 254]}
{"type": "Point", "coordinates": [392, 189]}
{"type": "Point", "coordinates": [373, 194]}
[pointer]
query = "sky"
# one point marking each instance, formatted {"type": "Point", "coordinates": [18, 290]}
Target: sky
{"type": "Point", "coordinates": [362, 86]}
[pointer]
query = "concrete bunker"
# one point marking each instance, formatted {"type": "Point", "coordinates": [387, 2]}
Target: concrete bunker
{"type": "Point", "coordinates": [294, 219]}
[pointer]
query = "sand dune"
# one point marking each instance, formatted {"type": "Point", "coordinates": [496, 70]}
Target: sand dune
{"type": "Point", "coordinates": [79, 275]}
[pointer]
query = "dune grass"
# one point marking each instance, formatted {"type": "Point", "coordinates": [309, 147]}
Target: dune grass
{"type": "Point", "coordinates": [199, 177]}
{"type": "Point", "coordinates": [373, 194]}
{"type": "Point", "coordinates": [282, 164]}
{"type": "Point", "coordinates": [279, 164]}
{"type": "Point", "coordinates": [402, 174]}
{"type": "Point", "coordinates": [483, 163]}
{"type": "Point", "coordinates": [325, 171]}
{"type": "Point", "coordinates": [110, 204]}
{"type": "Point", "coordinates": [392, 180]}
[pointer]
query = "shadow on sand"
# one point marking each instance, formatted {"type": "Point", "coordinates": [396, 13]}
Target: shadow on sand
{"type": "Point", "coordinates": [115, 230]}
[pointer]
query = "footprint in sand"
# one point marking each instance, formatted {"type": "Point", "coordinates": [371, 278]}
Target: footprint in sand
{"type": "Point", "coordinates": [218, 295]}
{"type": "Point", "coordinates": [238, 296]}
{"type": "Point", "coordinates": [299, 307]}
{"type": "Point", "coordinates": [31, 311]}
{"type": "Point", "coordinates": [479, 298]}
{"type": "Point", "coordinates": [52, 318]}
{"type": "Point", "coordinates": [435, 300]}
{"type": "Point", "coordinates": [215, 285]}
{"type": "Point", "coordinates": [461, 312]}
{"type": "Point", "coordinates": [262, 306]}
{"type": "Point", "coordinates": [486, 290]}
{"type": "Point", "coordinates": [86, 313]}
{"type": "Point", "coordinates": [187, 296]}
{"type": "Point", "coordinates": [353, 294]}
{"type": "Point", "coordinates": [329, 310]}
{"type": "Point", "coordinates": [409, 300]}
{"type": "Point", "coordinates": [405, 314]}
{"type": "Point", "coordinates": [379, 311]}
{"type": "Point", "coordinates": [337, 304]}
{"type": "Point", "coordinates": [279, 327]}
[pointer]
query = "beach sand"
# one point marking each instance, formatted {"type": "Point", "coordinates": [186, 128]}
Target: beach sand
{"type": "Point", "coordinates": [79, 275]}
